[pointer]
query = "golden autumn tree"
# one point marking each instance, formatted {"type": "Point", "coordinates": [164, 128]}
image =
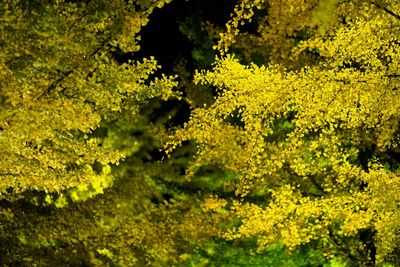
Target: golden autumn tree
{"type": "Point", "coordinates": [68, 115]}
{"type": "Point", "coordinates": [313, 128]}
{"type": "Point", "coordinates": [59, 84]}
{"type": "Point", "coordinates": [78, 183]}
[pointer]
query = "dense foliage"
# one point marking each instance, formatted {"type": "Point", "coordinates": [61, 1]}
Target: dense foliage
{"type": "Point", "coordinates": [276, 142]}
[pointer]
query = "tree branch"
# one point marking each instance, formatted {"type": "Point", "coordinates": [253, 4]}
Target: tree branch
{"type": "Point", "coordinates": [390, 12]}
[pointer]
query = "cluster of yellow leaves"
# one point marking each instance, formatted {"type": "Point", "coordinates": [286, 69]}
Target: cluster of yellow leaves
{"type": "Point", "coordinates": [243, 12]}
{"type": "Point", "coordinates": [59, 83]}
{"type": "Point", "coordinates": [296, 127]}
{"type": "Point", "coordinates": [126, 235]}
{"type": "Point", "coordinates": [329, 105]}
{"type": "Point", "coordinates": [296, 219]}
{"type": "Point", "coordinates": [132, 22]}
{"type": "Point", "coordinates": [289, 22]}
{"type": "Point", "coordinates": [83, 192]}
